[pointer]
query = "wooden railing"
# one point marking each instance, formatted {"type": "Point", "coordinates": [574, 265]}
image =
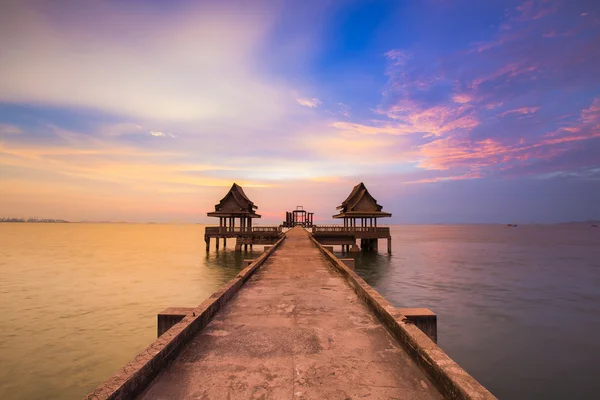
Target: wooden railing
{"type": "Point", "coordinates": [273, 228]}
{"type": "Point", "coordinates": [341, 228]}
{"type": "Point", "coordinates": [238, 229]}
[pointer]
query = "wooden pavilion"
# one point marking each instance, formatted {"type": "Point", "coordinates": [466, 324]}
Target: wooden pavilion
{"type": "Point", "coordinates": [236, 206]}
{"type": "Point", "coordinates": [360, 212]}
{"type": "Point", "coordinates": [298, 217]}
{"type": "Point", "coordinates": [362, 207]}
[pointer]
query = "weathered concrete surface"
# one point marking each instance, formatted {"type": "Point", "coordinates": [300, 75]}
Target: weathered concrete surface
{"type": "Point", "coordinates": [295, 330]}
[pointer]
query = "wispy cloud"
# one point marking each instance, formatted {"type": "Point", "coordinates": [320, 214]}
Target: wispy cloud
{"type": "Point", "coordinates": [184, 67]}
{"type": "Point", "coordinates": [520, 111]}
{"type": "Point", "coordinates": [7, 129]}
{"type": "Point", "coordinates": [162, 134]}
{"type": "Point", "coordinates": [310, 103]}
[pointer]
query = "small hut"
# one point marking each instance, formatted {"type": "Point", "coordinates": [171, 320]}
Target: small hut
{"type": "Point", "coordinates": [235, 205]}
{"type": "Point", "coordinates": [360, 210]}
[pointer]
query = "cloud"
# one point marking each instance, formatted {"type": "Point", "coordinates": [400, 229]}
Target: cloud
{"type": "Point", "coordinates": [345, 110]}
{"type": "Point", "coordinates": [462, 98]}
{"type": "Point", "coordinates": [7, 129]}
{"type": "Point", "coordinates": [534, 9]}
{"type": "Point", "coordinates": [398, 57]}
{"type": "Point", "coordinates": [372, 129]}
{"type": "Point", "coordinates": [520, 111]}
{"type": "Point", "coordinates": [310, 103]}
{"type": "Point", "coordinates": [484, 156]}
{"type": "Point", "coordinates": [468, 175]}
{"type": "Point", "coordinates": [162, 134]}
{"type": "Point", "coordinates": [200, 61]}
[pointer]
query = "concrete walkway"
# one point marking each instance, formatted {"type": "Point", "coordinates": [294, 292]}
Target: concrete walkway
{"type": "Point", "coordinates": [296, 330]}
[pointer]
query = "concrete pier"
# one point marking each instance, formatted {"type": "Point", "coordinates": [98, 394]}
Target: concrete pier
{"type": "Point", "coordinates": [296, 330]}
{"type": "Point", "coordinates": [297, 323]}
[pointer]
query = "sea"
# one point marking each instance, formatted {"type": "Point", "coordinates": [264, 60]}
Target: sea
{"type": "Point", "coordinates": [518, 308]}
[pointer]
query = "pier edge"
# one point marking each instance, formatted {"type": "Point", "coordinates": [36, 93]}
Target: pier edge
{"type": "Point", "coordinates": [134, 377]}
{"type": "Point", "coordinates": [452, 380]}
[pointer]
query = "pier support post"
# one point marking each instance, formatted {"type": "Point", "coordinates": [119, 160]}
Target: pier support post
{"type": "Point", "coordinates": [171, 316]}
{"type": "Point", "coordinates": [207, 240]}
{"type": "Point", "coordinates": [354, 248]}
{"type": "Point", "coordinates": [238, 247]}
{"type": "Point", "coordinates": [224, 242]}
{"type": "Point", "coordinates": [424, 319]}
{"type": "Point", "coordinates": [217, 244]}
{"type": "Point", "coordinates": [389, 245]}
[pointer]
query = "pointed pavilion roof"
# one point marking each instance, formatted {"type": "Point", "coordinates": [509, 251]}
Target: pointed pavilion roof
{"type": "Point", "coordinates": [235, 204]}
{"type": "Point", "coordinates": [360, 204]}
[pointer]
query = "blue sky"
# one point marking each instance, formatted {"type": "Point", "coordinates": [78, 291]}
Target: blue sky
{"type": "Point", "coordinates": [449, 111]}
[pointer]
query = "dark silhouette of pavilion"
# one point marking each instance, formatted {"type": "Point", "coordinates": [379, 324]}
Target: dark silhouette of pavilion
{"type": "Point", "coordinates": [236, 206]}
{"type": "Point", "coordinates": [362, 207]}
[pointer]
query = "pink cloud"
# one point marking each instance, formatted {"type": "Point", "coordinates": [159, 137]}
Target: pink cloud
{"type": "Point", "coordinates": [468, 175]}
{"type": "Point", "coordinates": [520, 111]}
{"type": "Point", "coordinates": [462, 98]}
{"type": "Point", "coordinates": [532, 10]}
{"type": "Point", "coordinates": [507, 72]}
{"type": "Point", "coordinates": [453, 152]}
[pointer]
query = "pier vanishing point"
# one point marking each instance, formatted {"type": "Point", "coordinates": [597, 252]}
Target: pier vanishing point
{"type": "Point", "coordinates": [295, 323]}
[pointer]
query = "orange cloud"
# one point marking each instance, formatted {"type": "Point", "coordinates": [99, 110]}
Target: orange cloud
{"type": "Point", "coordinates": [7, 129]}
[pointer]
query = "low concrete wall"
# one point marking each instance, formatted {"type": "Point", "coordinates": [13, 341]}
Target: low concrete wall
{"type": "Point", "coordinates": [134, 377]}
{"type": "Point", "coordinates": [452, 381]}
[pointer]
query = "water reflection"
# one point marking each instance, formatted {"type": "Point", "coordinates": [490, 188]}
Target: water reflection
{"type": "Point", "coordinates": [371, 266]}
{"type": "Point", "coordinates": [229, 262]}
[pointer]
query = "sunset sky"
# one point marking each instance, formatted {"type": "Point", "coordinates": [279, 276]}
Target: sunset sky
{"type": "Point", "coordinates": [449, 110]}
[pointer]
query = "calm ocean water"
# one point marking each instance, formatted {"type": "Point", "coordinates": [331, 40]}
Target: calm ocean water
{"type": "Point", "coordinates": [518, 308]}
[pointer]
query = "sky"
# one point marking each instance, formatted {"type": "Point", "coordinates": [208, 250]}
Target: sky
{"type": "Point", "coordinates": [450, 111]}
